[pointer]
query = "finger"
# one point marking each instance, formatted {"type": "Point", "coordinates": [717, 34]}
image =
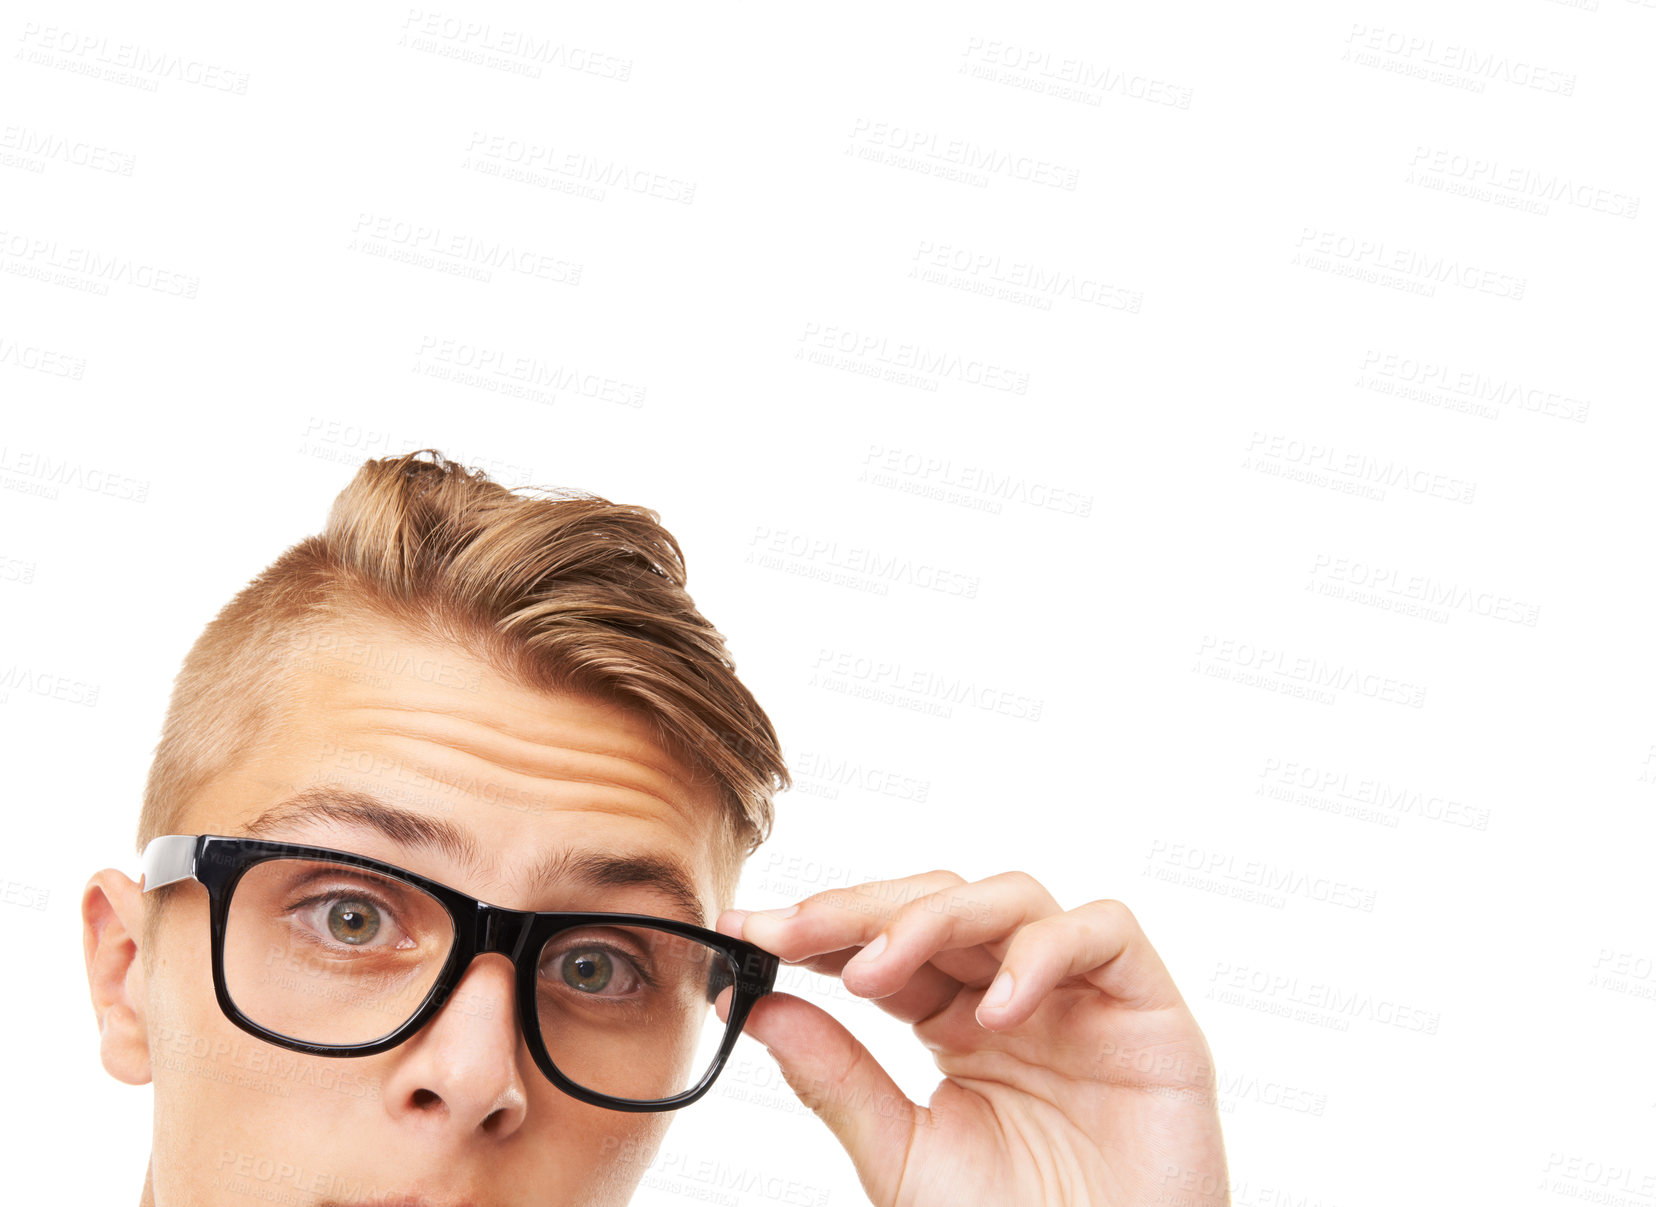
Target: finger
{"type": "Point", "coordinates": [927, 992]}
{"type": "Point", "coordinates": [837, 1078]}
{"type": "Point", "coordinates": [944, 927]}
{"type": "Point", "coordinates": [914, 979]}
{"type": "Point", "coordinates": [1101, 942]}
{"type": "Point", "coordinates": [828, 963]}
{"type": "Point", "coordinates": [730, 922]}
{"type": "Point", "coordinates": [839, 918]}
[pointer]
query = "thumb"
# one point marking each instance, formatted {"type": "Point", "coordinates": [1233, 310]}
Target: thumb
{"type": "Point", "coordinates": [843, 1084]}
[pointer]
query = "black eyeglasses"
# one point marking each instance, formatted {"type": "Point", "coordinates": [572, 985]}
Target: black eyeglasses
{"type": "Point", "coordinates": [335, 954]}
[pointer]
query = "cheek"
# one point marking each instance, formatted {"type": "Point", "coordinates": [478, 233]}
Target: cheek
{"type": "Point", "coordinates": [235, 1117]}
{"type": "Point", "coordinates": [612, 1148]}
{"type": "Point", "coordinates": [228, 1105]}
{"type": "Point", "coordinates": [224, 1108]}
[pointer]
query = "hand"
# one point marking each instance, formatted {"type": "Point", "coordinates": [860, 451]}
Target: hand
{"type": "Point", "coordinates": [1090, 1084]}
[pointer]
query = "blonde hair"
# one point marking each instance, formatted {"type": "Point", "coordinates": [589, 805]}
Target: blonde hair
{"type": "Point", "coordinates": [565, 593]}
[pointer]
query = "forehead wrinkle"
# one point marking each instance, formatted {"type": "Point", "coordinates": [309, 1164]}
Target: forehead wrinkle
{"type": "Point", "coordinates": [541, 795]}
{"type": "Point", "coordinates": [541, 759]}
{"type": "Point", "coordinates": [560, 735]}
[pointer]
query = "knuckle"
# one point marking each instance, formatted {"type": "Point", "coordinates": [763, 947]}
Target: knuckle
{"type": "Point", "coordinates": [1114, 912]}
{"type": "Point", "coordinates": [1022, 881]}
{"type": "Point", "coordinates": [921, 914]}
{"type": "Point", "coordinates": [834, 898]}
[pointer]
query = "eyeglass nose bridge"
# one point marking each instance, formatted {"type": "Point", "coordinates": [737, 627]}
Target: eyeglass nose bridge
{"type": "Point", "coordinates": [497, 929]}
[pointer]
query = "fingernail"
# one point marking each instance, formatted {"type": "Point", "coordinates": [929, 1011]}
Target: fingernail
{"type": "Point", "coordinates": [779, 914]}
{"type": "Point", "coordinates": [999, 993]}
{"type": "Point", "coordinates": [872, 952]}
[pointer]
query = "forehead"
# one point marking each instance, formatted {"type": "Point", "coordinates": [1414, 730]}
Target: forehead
{"type": "Point", "coordinates": [505, 784]}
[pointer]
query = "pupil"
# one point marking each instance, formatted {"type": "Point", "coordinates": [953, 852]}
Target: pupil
{"type": "Point", "coordinates": [588, 971]}
{"type": "Point", "coordinates": [353, 921]}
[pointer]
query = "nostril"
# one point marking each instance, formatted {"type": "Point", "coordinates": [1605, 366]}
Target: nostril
{"type": "Point", "coordinates": [426, 1099]}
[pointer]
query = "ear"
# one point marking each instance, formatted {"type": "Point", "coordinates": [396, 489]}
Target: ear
{"type": "Point", "coordinates": [112, 917]}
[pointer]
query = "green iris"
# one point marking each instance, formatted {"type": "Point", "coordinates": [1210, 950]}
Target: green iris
{"type": "Point", "coordinates": [353, 922]}
{"type": "Point", "coordinates": [588, 971]}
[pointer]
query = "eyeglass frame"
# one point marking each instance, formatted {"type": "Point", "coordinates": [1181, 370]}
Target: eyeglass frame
{"type": "Point", "coordinates": [218, 862]}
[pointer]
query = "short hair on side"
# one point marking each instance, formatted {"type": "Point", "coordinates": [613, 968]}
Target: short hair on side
{"type": "Point", "coordinates": [565, 593]}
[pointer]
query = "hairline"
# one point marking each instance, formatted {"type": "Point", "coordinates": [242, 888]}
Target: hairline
{"type": "Point", "coordinates": [727, 855]}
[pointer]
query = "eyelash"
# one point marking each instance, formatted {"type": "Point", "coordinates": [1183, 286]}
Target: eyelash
{"type": "Point", "coordinates": [634, 961]}
{"type": "Point", "coordinates": [378, 903]}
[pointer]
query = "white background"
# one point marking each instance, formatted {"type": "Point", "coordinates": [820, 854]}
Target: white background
{"type": "Point", "coordinates": [1261, 350]}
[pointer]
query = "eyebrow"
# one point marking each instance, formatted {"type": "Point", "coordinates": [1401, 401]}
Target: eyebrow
{"type": "Point", "coordinates": [593, 869]}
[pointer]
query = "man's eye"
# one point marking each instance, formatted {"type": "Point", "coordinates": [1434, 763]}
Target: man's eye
{"type": "Point", "coordinates": [353, 922]}
{"type": "Point", "coordinates": [596, 971]}
{"type": "Point", "coordinates": [350, 921]}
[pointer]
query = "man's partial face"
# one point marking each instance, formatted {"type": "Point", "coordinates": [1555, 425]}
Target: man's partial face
{"type": "Point", "coordinates": [458, 1114]}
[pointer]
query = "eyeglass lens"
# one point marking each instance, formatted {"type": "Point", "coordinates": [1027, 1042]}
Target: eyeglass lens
{"type": "Point", "coordinates": [329, 953]}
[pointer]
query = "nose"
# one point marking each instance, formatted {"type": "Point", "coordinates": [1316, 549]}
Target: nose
{"type": "Point", "coordinates": [464, 1072]}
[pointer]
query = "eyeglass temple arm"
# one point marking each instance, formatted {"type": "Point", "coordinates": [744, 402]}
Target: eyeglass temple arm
{"type": "Point", "coordinates": [169, 859]}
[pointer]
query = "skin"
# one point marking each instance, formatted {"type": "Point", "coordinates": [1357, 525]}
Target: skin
{"type": "Point", "coordinates": [458, 1114]}
{"type": "Point", "coordinates": [1090, 1084]}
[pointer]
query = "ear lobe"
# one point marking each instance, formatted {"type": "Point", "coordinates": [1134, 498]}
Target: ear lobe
{"type": "Point", "coordinates": [112, 916]}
